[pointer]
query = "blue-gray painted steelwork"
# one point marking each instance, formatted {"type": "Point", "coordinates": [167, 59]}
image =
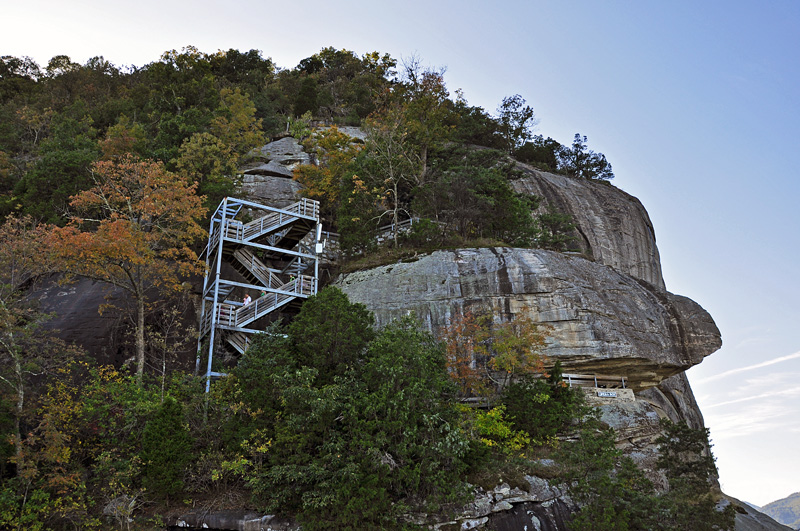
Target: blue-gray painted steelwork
{"type": "Point", "coordinates": [275, 253]}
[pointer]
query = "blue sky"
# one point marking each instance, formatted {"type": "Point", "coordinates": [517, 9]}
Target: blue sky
{"type": "Point", "coordinates": [693, 103]}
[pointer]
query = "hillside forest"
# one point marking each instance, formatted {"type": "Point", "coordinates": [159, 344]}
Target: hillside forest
{"type": "Point", "coordinates": [109, 173]}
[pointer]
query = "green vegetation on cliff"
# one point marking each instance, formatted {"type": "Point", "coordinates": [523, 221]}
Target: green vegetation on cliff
{"type": "Point", "coordinates": [341, 427]}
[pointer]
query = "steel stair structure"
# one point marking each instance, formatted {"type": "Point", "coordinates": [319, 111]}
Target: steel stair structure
{"type": "Point", "coordinates": [273, 253]}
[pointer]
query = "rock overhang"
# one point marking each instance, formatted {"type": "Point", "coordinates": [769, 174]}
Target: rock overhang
{"type": "Point", "coordinates": [599, 319]}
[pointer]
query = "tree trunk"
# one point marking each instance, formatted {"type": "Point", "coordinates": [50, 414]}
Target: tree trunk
{"type": "Point", "coordinates": [139, 338]}
{"type": "Point", "coordinates": [396, 216]}
{"type": "Point", "coordinates": [20, 407]}
{"type": "Point", "coordinates": [424, 163]}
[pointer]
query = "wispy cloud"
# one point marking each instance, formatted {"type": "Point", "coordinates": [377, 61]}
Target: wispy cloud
{"type": "Point", "coordinates": [775, 415]}
{"type": "Point", "coordinates": [749, 368]}
{"type": "Point", "coordinates": [795, 391]}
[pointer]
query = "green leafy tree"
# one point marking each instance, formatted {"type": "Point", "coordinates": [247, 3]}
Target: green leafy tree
{"type": "Point", "coordinates": [306, 97]}
{"type": "Point", "coordinates": [166, 449]}
{"type": "Point", "coordinates": [354, 446]}
{"type": "Point", "coordinates": [426, 109]}
{"type": "Point", "coordinates": [515, 121]}
{"type": "Point", "coordinates": [469, 191]}
{"type": "Point", "coordinates": [235, 121]}
{"type": "Point", "coordinates": [581, 162]}
{"type": "Point", "coordinates": [343, 86]}
{"type": "Point", "coordinates": [335, 153]}
{"type": "Point", "coordinates": [612, 494]}
{"type": "Point", "coordinates": [18, 75]}
{"type": "Point", "coordinates": [542, 408]}
{"type": "Point", "coordinates": [358, 213]}
{"type": "Point", "coordinates": [691, 502]}
{"type": "Point", "coordinates": [211, 158]}
{"type": "Point", "coordinates": [69, 153]}
{"type": "Point", "coordinates": [474, 126]}
{"type": "Point", "coordinates": [555, 230]}
{"type": "Point", "coordinates": [540, 152]}
{"type": "Point", "coordinates": [495, 430]}
{"type": "Point", "coordinates": [249, 400]}
{"type": "Point", "coordinates": [330, 333]}
{"type": "Point", "coordinates": [207, 160]}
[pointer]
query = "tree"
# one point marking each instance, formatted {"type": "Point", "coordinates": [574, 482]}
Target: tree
{"type": "Point", "coordinates": [425, 108]}
{"type": "Point", "coordinates": [541, 152]}
{"type": "Point", "coordinates": [211, 163]}
{"type": "Point", "coordinates": [516, 121]}
{"type": "Point", "coordinates": [555, 229]}
{"type": "Point", "coordinates": [481, 352]}
{"type": "Point", "coordinates": [469, 191]}
{"type": "Point", "coordinates": [581, 162]}
{"type": "Point", "coordinates": [340, 86]}
{"type": "Point", "coordinates": [323, 181]}
{"type": "Point", "coordinates": [357, 451]}
{"type": "Point", "coordinates": [393, 166]}
{"type": "Point", "coordinates": [139, 225]}
{"type": "Point", "coordinates": [686, 459]}
{"type": "Point", "coordinates": [25, 354]}
{"type": "Point", "coordinates": [122, 139]}
{"type": "Point", "coordinates": [235, 121]}
{"type": "Point", "coordinates": [611, 492]}
{"type": "Point", "coordinates": [69, 153]}
{"type": "Point", "coordinates": [18, 75]}
{"type": "Point", "coordinates": [166, 449]}
{"type": "Point", "coordinates": [211, 158]}
{"type": "Point", "coordinates": [542, 408]}
{"type": "Point", "coordinates": [330, 333]}
{"type": "Point", "coordinates": [43, 486]}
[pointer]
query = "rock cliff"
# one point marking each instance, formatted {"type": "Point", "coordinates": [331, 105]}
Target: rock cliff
{"type": "Point", "coordinates": [613, 227]}
{"type": "Point", "coordinates": [267, 177]}
{"type": "Point", "coordinates": [601, 320]}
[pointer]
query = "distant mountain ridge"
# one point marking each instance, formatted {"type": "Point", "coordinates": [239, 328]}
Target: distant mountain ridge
{"type": "Point", "coordinates": [785, 511]}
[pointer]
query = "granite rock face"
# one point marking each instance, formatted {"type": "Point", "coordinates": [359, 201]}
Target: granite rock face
{"type": "Point", "coordinates": [267, 177]}
{"type": "Point", "coordinates": [613, 227]}
{"type": "Point", "coordinates": [77, 319]}
{"type": "Point", "coordinates": [673, 398]}
{"type": "Point", "coordinates": [602, 321]}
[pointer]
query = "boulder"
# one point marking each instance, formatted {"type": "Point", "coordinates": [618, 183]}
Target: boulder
{"type": "Point", "coordinates": [600, 320]}
{"type": "Point", "coordinates": [77, 317]}
{"type": "Point", "coordinates": [267, 176]}
{"type": "Point", "coordinates": [612, 227]}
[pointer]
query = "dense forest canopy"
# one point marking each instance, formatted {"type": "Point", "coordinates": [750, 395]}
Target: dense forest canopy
{"type": "Point", "coordinates": [199, 113]}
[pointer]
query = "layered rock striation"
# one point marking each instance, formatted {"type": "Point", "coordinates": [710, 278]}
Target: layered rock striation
{"type": "Point", "coordinates": [612, 227]}
{"type": "Point", "coordinates": [600, 320]}
{"type": "Point", "coordinates": [267, 177]}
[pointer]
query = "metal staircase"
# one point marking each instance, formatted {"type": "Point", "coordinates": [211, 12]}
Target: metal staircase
{"type": "Point", "coordinates": [273, 253]}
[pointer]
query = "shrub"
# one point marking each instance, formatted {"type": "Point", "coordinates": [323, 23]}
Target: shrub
{"type": "Point", "coordinates": [166, 449]}
{"type": "Point", "coordinates": [542, 408]}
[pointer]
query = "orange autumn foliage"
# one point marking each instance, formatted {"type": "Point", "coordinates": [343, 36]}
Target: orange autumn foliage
{"type": "Point", "coordinates": [135, 232]}
{"type": "Point", "coordinates": [484, 356]}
